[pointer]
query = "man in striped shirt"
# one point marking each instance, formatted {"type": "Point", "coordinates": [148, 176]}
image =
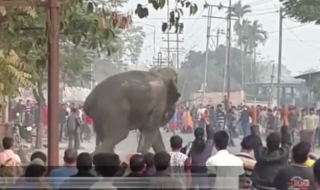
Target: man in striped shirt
{"type": "Point", "coordinates": [220, 118]}
{"type": "Point", "coordinates": [248, 161]}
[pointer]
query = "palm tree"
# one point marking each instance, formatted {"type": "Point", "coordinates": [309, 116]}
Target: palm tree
{"type": "Point", "coordinates": [254, 35]}
{"type": "Point", "coordinates": [239, 11]}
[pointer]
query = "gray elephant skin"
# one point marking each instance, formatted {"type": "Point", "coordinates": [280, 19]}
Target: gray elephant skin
{"type": "Point", "coordinates": [143, 100]}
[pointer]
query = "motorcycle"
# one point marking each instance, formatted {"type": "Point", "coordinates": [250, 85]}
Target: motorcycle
{"type": "Point", "coordinates": [22, 131]}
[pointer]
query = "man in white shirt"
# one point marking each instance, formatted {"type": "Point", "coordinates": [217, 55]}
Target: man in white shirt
{"type": "Point", "coordinates": [200, 113]}
{"type": "Point", "coordinates": [224, 167]}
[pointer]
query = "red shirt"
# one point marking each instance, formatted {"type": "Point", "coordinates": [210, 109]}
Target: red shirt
{"type": "Point", "coordinates": [88, 120]}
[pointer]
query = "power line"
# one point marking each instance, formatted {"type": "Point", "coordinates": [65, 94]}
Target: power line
{"type": "Point", "coordinates": [266, 13]}
{"type": "Point", "coordinates": [299, 39]}
{"type": "Point", "coordinates": [295, 40]}
{"type": "Point", "coordinates": [265, 9]}
{"type": "Point", "coordinates": [199, 36]}
{"type": "Point", "coordinates": [276, 31]}
{"type": "Point", "coordinates": [261, 2]}
{"type": "Point", "coordinates": [202, 27]}
{"type": "Point", "coordinates": [199, 16]}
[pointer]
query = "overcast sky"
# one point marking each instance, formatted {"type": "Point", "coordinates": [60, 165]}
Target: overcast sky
{"type": "Point", "coordinates": [301, 42]}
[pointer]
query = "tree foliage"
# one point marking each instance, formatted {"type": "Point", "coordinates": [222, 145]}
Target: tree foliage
{"type": "Point", "coordinates": [174, 15]}
{"type": "Point", "coordinates": [129, 44]}
{"type": "Point", "coordinates": [249, 36]}
{"type": "Point", "coordinates": [244, 63]}
{"type": "Point", "coordinates": [303, 11]}
{"type": "Point", "coordinates": [12, 75]}
{"type": "Point", "coordinates": [84, 24]}
{"type": "Point", "coordinates": [75, 67]}
{"type": "Point", "coordinates": [14, 71]}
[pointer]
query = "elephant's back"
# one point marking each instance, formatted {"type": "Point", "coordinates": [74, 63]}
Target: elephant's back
{"type": "Point", "coordinates": [116, 88]}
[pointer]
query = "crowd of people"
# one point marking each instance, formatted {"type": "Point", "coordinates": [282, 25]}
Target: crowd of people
{"type": "Point", "coordinates": [276, 165]}
{"type": "Point", "coordinates": [75, 125]}
{"type": "Point", "coordinates": [204, 163]}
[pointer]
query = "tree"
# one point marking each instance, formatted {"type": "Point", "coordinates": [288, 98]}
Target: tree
{"type": "Point", "coordinates": [12, 75]}
{"type": "Point", "coordinates": [192, 72]}
{"type": "Point", "coordinates": [303, 11]}
{"type": "Point", "coordinates": [238, 12]}
{"type": "Point", "coordinates": [89, 25]}
{"type": "Point", "coordinates": [130, 44]}
{"type": "Point", "coordinates": [75, 67]}
{"type": "Point", "coordinates": [254, 35]}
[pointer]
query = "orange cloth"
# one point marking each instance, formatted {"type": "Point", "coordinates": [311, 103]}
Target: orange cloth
{"type": "Point", "coordinates": [187, 120]}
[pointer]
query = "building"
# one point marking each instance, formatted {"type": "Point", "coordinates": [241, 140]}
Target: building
{"type": "Point", "coordinates": [291, 92]}
{"type": "Point", "coordinates": [312, 83]}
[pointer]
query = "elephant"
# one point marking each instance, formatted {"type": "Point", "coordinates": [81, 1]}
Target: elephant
{"type": "Point", "coordinates": [133, 100]}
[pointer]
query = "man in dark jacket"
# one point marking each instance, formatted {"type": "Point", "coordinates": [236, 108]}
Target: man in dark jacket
{"type": "Point", "coordinates": [271, 158]}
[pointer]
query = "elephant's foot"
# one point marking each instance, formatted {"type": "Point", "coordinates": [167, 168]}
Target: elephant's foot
{"type": "Point", "coordinates": [103, 149]}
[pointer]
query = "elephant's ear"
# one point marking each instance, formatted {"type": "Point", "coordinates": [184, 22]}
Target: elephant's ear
{"type": "Point", "coordinates": [170, 78]}
{"type": "Point", "coordinates": [173, 94]}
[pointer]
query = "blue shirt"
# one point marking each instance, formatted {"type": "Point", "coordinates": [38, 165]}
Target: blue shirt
{"type": "Point", "coordinates": [60, 175]}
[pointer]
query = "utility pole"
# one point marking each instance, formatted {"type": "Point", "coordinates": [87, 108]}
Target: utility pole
{"type": "Point", "coordinates": [228, 53]}
{"type": "Point", "coordinates": [207, 53]}
{"type": "Point", "coordinates": [178, 31]}
{"type": "Point", "coordinates": [160, 61]}
{"type": "Point", "coordinates": [225, 73]}
{"type": "Point", "coordinates": [178, 64]}
{"type": "Point", "coordinates": [279, 57]}
{"type": "Point", "coordinates": [176, 49]}
{"type": "Point", "coordinates": [217, 36]}
{"type": "Point", "coordinates": [229, 50]}
{"type": "Point", "coordinates": [168, 31]}
{"type": "Point", "coordinates": [271, 89]}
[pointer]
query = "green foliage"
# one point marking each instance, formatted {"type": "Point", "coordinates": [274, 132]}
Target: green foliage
{"type": "Point", "coordinates": [250, 35]}
{"type": "Point", "coordinates": [175, 14]}
{"type": "Point", "coordinates": [12, 75]}
{"type": "Point", "coordinates": [84, 25]}
{"type": "Point", "coordinates": [75, 66]}
{"type": "Point", "coordinates": [304, 11]}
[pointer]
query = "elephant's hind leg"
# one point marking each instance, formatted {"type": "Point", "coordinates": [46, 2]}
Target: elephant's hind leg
{"type": "Point", "coordinates": [158, 144]}
{"type": "Point", "coordinates": [148, 139]}
{"type": "Point", "coordinates": [115, 132]}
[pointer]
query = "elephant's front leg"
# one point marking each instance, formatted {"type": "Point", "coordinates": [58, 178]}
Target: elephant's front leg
{"type": "Point", "coordinates": [158, 144]}
{"type": "Point", "coordinates": [147, 138]}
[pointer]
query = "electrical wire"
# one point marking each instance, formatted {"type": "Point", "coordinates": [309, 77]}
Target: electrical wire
{"type": "Point", "coordinates": [198, 41]}
{"type": "Point", "coordinates": [298, 38]}
{"type": "Point", "coordinates": [203, 24]}
{"type": "Point", "coordinates": [276, 31]}
{"type": "Point", "coordinates": [193, 23]}
{"type": "Point", "coordinates": [266, 13]}
{"type": "Point", "coordinates": [261, 2]}
{"type": "Point", "coordinates": [266, 9]}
